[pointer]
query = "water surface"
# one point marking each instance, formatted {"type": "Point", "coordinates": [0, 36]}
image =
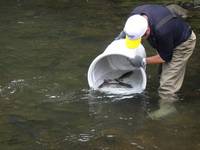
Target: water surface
{"type": "Point", "coordinates": [46, 49]}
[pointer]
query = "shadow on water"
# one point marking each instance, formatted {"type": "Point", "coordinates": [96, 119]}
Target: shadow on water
{"type": "Point", "coordinates": [46, 49]}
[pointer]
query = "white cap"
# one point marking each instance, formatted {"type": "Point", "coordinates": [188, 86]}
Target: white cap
{"type": "Point", "coordinates": [135, 27]}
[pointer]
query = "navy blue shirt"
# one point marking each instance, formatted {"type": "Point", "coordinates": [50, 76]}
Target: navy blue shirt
{"type": "Point", "coordinates": [167, 36]}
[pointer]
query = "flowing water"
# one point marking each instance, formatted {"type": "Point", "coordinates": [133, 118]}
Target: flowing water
{"type": "Point", "coordinates": [45, 103]}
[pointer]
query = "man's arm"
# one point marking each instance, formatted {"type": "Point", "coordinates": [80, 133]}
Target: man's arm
{"type": "Point", "coordinates": [156, 59]}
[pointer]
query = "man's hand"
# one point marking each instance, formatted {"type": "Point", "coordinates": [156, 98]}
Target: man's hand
{"type": "Point", "coordinates": [122, 35]}
{"type": "Point", "coordinates": [138, 61]}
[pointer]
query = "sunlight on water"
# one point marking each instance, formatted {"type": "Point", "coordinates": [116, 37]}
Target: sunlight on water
{"type": "Point", "coordinates": [12, 87]}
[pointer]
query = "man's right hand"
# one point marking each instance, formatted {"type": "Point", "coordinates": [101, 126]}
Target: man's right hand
{"type": "Point", "coordinates": [138, 61]}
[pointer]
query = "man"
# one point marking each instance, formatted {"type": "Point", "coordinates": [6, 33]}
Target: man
{"type": "Point", "coordinates": [169, 35]}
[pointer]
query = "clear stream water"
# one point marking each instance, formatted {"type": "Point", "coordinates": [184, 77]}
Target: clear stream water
{"type": "Point", "coordinates": [45, 103]}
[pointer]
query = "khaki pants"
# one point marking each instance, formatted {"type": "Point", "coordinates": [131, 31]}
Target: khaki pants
{"type": "Point", "coordinates": [173, 72]}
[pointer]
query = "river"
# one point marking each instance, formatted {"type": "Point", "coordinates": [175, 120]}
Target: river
{"type": "Point", "coordinates": [46, 104]}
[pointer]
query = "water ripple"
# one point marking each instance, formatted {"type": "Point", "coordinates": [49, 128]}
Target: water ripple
{"type": "Point", "coordinates": [12, 87]}
{"type": "Point", "coordinates": [83, 137]}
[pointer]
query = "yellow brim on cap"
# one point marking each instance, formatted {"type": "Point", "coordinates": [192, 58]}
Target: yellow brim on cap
{"type": "Point", "coordinates": [132, 43]}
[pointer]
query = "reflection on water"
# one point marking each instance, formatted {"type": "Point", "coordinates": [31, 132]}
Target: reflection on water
{"type": "Point", "coordinates": [46, 49]}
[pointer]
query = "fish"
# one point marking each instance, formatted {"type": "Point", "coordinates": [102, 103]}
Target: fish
{"type": "Point", "coordinates": [23, 125]}
{"type": "Point", "coordinates": [126, 75]}
{"type": "Point", "coordinates": [117, 81]}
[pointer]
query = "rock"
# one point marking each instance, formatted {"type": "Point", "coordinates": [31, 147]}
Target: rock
{"type": "Point", "coordinates": [180, 11]}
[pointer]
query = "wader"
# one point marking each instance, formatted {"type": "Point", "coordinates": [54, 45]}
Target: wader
{"type": "Point", "coordinates": [172, 73]}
